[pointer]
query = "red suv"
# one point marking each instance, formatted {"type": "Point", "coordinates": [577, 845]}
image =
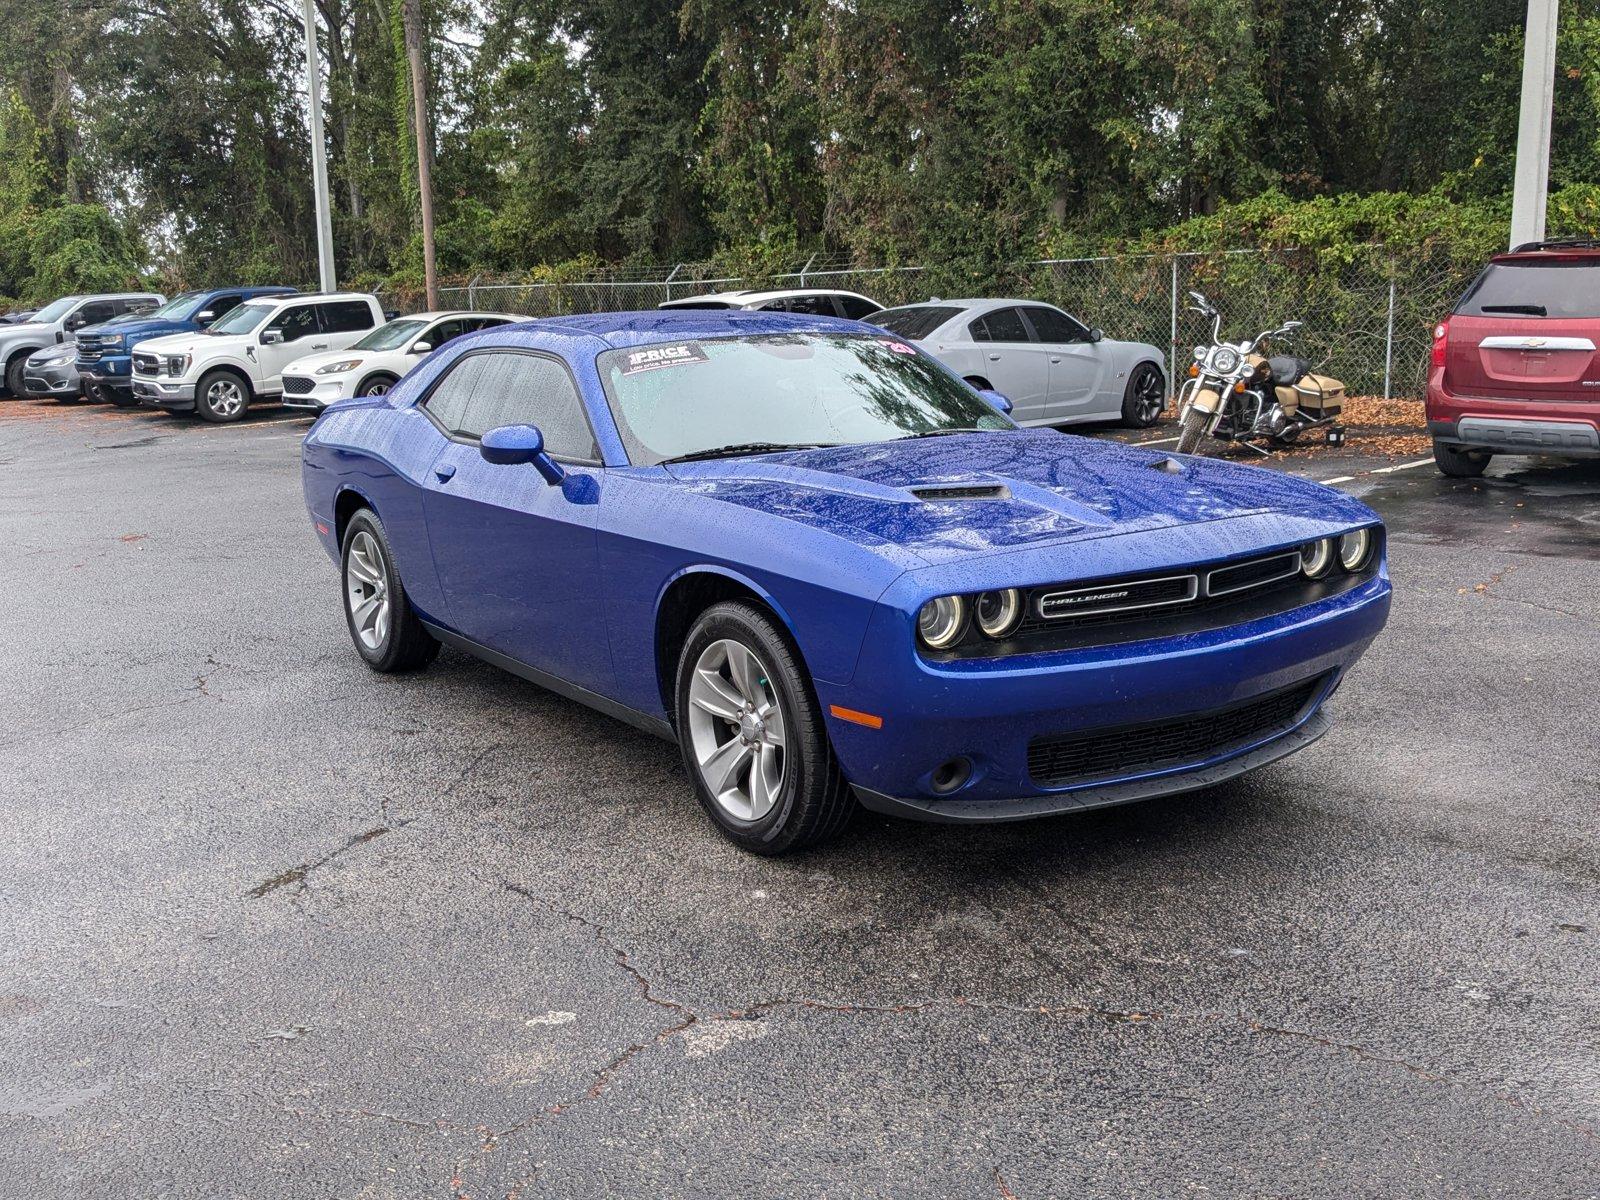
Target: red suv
{"type": "Point", "coordinates": [1514, 368]}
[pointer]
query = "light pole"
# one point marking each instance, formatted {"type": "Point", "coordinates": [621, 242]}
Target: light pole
{"type": "Point", "coordinates": [1532, 185]}
{"type": "Point", "coordinates": [319, 157]}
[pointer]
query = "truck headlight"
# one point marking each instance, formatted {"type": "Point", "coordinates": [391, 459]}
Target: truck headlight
{"type": "Point", "coordinates": [177, 364]}
{"type": "Point", "coordinates": [941, 620]}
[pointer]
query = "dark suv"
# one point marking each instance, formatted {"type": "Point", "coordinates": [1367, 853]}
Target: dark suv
{"type": "Point", "coordinates": [1514, 368]}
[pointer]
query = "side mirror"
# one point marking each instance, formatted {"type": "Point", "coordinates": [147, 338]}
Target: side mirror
{"type": "Point", "coordinates": [999, 400]}
{"type": "Point", "coordinates": [205, 318]}
{"type": "Point", "coordinates": [421, 347]}
{"type": "Point", "coordinates": [513, 445]}
{"type": "Point", "coordinates": [1097, 334]}
{"type": "Point", "coordinates": [76, 321]}
{"type": "Point", "coordinates": [272, 337]}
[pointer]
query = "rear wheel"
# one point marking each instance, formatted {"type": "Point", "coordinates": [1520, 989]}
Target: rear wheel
{"type": "Point", "coordinates": [1460, 463]}
{"type": "Point", "coordinates": [1144, 397]}
{"type": "Point", "coordinates": [221, 396]}
{"type": "Point", "coordinates": [751, 731]}
{"type": "Point", "coordinates": [1191, 430]}
{"type": "Point", "coordinates": [384, 627]}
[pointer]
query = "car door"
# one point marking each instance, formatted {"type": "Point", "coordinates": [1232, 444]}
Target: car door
{"type": "Point", "coordinates": [1076, 363]}
{"type": "Point", "coordinates": [517, 556]}
{"type": "Point", "coordinates": [301, 332]}
{"type": "Point", "coordinates": [1012, 362]}
{"type": "Point", "coordinates": [90, 312]}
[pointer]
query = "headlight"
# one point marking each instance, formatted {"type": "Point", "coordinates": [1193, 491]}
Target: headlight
{"type": "Point", "coordinates": [941, 621]}
{"type": "Point", "coordinates": [1354, 549]}
{"type": "Point", "coordinates": [1316, 558]}
{"type": "Point", "coordinates": [998, 613]}
{"type": "Point", "coordinates": [1224, 360]}
{"type": "Point", "coordinates": [340, 367]}
{"type": "Point", "coordinates": [177, 364]}
{"type": "Point", "coordinates": [55, 355]}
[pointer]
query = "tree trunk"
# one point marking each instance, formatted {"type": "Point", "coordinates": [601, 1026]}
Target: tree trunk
{"type": "Point", "coordinates": [411, 15]}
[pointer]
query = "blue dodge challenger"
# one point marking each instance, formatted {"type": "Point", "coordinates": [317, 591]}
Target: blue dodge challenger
{"type": "Point", "coordinates": [835, 574]}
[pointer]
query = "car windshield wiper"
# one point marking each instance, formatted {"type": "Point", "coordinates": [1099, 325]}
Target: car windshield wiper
{"type": "Point", "coordinates": [927, 433]}
{"type": "Point", "coordinates": [745, 448]}
{"type": "Point", "coordinates": [1532, 310]}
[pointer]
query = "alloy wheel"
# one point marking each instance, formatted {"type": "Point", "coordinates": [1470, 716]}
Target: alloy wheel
{"type": "Point", "coordinates": [366, 587]}
{"type": "Point", "coordinates": [225, 398]}
{"type": "Point", "coordinates": [380, 388]}
{"type": "Point", "coordinates": [1148, 395]}
{"type": "Point", "coordinates": [737, 730]}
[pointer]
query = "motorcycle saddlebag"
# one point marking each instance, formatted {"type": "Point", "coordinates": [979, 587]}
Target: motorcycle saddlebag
{"type": "Point", "coordinates": [1321, 394]}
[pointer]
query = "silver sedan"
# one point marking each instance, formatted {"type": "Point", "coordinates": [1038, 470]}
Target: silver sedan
{"type": "Point", "coordinates": [1054, 369]}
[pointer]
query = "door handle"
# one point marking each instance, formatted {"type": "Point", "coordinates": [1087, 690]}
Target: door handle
{"type": "Point", "coordinates": [445, 473]}
{"type": "Point", "coordinates": [1055, 360]}
{"type": "Point", "coordinates": [994, 358]}
{"type": "Point", "coordinates": [319, 345]}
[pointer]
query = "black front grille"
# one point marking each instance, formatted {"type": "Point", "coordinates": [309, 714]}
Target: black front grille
{"type": "Point", "coordinates": [297, 385]}
{"type": "Point", "coordinates": [1256, 572]}
{"type": "Point", "coordinates": [92, 349]}
{"type": "Point", "coordinates": [1057, 760]}
{"type": "Point", "coordinates": [146, 364]}
{"type": "Point", "coordinates": [1116, 596]}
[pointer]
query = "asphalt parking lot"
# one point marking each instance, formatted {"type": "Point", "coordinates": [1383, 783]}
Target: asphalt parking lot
{"type": "Point", "coordinates": [271, 925]}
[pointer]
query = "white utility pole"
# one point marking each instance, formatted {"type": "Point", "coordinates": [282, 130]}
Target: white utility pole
{"type": "Point", "coordinates": [1533, 129]}
{"type": "Point", "coordinates": [319, 156]}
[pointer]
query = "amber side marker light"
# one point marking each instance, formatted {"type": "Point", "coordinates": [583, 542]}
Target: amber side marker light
{"type": "Point", "coordinates": [856, 718]}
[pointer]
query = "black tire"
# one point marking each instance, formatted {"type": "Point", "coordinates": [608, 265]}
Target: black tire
{"type": "Point", "coordinates": [405, 644]}
{"type": "Point", "coordinates": [376, 385]}
{"type": "Point", "coordinates": [14, 383]}
{"type": "Point", "coordinates": [1458, 462]}
{"type": "Point", "coordinates": [1192, 430]}
{"type": "Point", "coordinates": [213, 399]}
{"type": "Point", "coordinates": [1145, 396]}
{"type": "Point", "coordinates": [813, 802]}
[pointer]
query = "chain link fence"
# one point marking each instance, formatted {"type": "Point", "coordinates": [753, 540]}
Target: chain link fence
{"type": "Point", "coordinates": [1368, 313]}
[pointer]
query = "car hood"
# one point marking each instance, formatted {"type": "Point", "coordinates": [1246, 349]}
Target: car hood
{"type": "Point", "coordinates": [137, 327]}
{"type": "Point", "coordinates": [26, 332]}
{"type": "Point", "coordinates": [196, 343]}
{"type": "Point", "coordinates": [967, 494]}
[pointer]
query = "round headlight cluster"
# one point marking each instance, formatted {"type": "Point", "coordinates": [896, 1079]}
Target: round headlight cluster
{"type": "Point", "coordinates": [1224, 360]}
{"type": "Point", "coordinates": [941, 621]}
{"type": "Point", "coordinates": [1352, 551]}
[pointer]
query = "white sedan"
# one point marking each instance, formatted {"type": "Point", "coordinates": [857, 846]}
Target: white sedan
{"type": "Point", "coordinates": [378, 361]}
{"type": "Point", "coordinates": [1054, 369]}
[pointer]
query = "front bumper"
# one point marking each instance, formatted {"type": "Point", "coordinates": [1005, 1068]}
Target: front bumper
{"type": "Point", "coordinates": [51, 381]}
{"type": "Point", "coordinates": [164, 395]}
{"type": "Point", "coordinates": [108, 371]}
{"type": "Point", "coordinates": [989, 711]}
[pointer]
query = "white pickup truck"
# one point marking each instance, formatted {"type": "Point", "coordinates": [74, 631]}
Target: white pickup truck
{"type": "Point", "coordinates": [219, 372]}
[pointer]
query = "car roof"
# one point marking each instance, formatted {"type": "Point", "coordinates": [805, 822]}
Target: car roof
{"type": "Point", "coordinates": [618, 329]}
{"type": "Point", "coordinates": [438, 314]}
{"type": "Point", "coordinates": [1573, 251]}
{"type": "Point", "coordinates": [284, 299]}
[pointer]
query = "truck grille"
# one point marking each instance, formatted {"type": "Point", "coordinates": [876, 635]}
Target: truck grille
{"type": "Point", "coordinates": [1062, 759]}
{"type": "Point", "coordinates": [146, 364]}
{"type": "Point", "coordinates": [297, 385]}
{"type": "Point", "coordinates": [93, 349]}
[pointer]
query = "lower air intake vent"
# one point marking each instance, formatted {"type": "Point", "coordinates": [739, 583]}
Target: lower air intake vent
{"type": "Point", "coordinates": [1058, 760]}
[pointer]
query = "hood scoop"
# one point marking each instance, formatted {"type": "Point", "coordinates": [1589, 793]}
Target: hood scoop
{"type": "Point", "coordinates": [1167, 464]}
{"type": "Point", "coordinates": [946, 492]}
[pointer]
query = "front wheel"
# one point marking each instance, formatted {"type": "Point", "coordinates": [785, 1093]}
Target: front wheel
{"type": "Point", "coordinates": [1191, 430]}
{"type": "Point", "coordinates": [378, 385]}
{"type": "Point", "coordinates": [751, 731]}
{"type": "Point", "coordinates": [221, 396]}
{"type": "Point", "coordinates": [1144, 397]}
{"type": "Point", "coordinates": [384, 627]}
{"type": "Point", "coordinates": [14, 384]}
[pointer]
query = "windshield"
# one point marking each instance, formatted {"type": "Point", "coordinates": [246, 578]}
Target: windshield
{"type": "Point", "coordinates": [54, 311]}
{"type": "Point", "coordinates": [178, 307]}
{"type": "Point", "coordinates": [679, 398]}
{"type": "Point", "coordinates": [1535, 289]}
{"type": "Point", "coordinates": [243, 319]}
{"type": "Point", "coordinates": [391, 336]}
{"type": "Point", "coordinates": [916, 321]}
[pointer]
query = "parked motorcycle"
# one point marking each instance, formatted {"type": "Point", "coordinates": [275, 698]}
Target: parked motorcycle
{"type": "Point", "coordinates": [1236, 394]}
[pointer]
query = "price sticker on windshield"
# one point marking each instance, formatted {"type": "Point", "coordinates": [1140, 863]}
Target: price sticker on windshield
{"type": "Point", "coordinates": [653, 358]}
{"type": "Point", "coordinates": [900, 347]}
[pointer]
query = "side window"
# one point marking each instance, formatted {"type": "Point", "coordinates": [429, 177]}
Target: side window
{"type": "Point", "coordinates": [1002, 325]}
{"type": "Point", "coordinates": [507, 387]}
{"type": "Point", "coordinates": [218, 305]}
{"type": "Point", "coordinates": [295, 323]}
{"type": "Point", "coordinates": [1053, 326]}
{"type": "Point", "coordinates": [474, 324]}
{"type": "Point", "coordinates": [854, 308]}
{"type": "Point", "coordinates": [345, 316]}
{"type": "Point", "coordinates": [92, 314]}
{"type": "Point", "coordinates": [135, 304]}
{"type": "Point", "coordinates": [811, 306]}
{"type": "Point", "coordinates": [443, 332]}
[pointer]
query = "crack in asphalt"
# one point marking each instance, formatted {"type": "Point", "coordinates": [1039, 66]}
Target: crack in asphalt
{"type": "Point", "coordinates": [297, 874]}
